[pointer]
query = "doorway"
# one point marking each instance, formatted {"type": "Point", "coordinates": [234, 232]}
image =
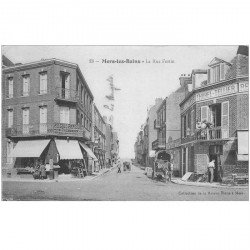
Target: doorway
{"type": "Point", "coordinates": [215, 151]}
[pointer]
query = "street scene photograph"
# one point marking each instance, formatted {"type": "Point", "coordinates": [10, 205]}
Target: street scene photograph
{"type": "Point", "coordinates": [125, 123]}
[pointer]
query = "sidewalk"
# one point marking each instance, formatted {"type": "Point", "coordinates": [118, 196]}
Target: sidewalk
{"type": "Point", "coordinates": [61, 178]}
{"type": "Point", "coordinates": [206, 184]}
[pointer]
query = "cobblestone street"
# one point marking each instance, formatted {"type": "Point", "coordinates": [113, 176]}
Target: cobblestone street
{"type": "Point", "coordinates": [127, 186]}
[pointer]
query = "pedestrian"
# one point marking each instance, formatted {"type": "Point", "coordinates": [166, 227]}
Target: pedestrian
{"type": "Point", "coordinates": [211, 166]}
{"type": "Point", "coordinates": [119, 167]}
{"type": "Point", "coordinates": [43, 171]}
{"type": "Point", "coordinates": [168, 171]}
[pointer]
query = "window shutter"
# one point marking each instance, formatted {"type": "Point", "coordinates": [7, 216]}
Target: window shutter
{"type": "Point", "coordinates": [67, 82]}
{"type": "Point", "coordinates": [62, 120]}
{"type": "Point", "coordinates": [43, 115]}
{"type": "Point", "coordinates": [11, 88]}
{"type": "Point", "coordinates": [192, 122]}
{"type": "Point", "coordinates": [43, 83]}
{"type": "Point", "coordinates": [222, 71]}
{"type": "Point", "coordinates": [26, 116]}
{"type": "Point", "coordinates": [67, 115]}
{"type": "Point", "coordinates": [10, 118]}
{"type": "Point", "coordinates": [204, 113]}
{"type": "Point", "coordinates": [225, 120]}
{"type": "Point", "coordinates": [208, 76]}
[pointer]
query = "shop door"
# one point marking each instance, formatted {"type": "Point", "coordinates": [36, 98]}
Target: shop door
{"type": "Point", "coordinates": [215, 151]}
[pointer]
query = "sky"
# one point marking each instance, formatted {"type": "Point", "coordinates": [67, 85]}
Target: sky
{"type": "Point", "coordinates": [140, 83]}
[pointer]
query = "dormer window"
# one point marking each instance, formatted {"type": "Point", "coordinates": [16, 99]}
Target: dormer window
{"type": "Point", "coordinates": [217, 71]}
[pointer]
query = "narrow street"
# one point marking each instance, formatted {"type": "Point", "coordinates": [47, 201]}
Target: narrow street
{"type": "Point", "coordinates": [127, 186]}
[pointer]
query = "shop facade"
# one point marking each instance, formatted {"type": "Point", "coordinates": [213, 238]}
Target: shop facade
{"type": "Point", "coordinates": [214, 121]}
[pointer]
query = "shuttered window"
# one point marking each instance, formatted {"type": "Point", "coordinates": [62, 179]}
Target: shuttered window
{"type": "Point", "coordinates": [9, 152]}
{"type": "Point", "coordinates": [225, 119]}
{"type": "Point", "coordinates": [43, 114]}
{"type": "Point", "coordinates": [10, 88]}
{"type": "Point", "coordinates": [43, 83]}
{"type": "Point", "coordinates": [26, 120]}
{"type": "Point", "coordinates": [26, 85]}
{"type": "Point", "coordinates": [10, 118]}
{"type": "Point", "coordinates": [64, 115]}
{"type": "Point", "coordinates": [204, 113]}
{"type": "Point", "coordinates": [26, 113]}
{"type": "Point", "coordinates": [192, 122]}
{"type": "Point", "coordinates": [222, 71]}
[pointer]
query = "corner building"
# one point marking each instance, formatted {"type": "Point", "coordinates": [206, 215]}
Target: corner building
{"type": "Point", "coordinates": [220, 98]}
{"type": "Point", "coordinates": [47, 114]}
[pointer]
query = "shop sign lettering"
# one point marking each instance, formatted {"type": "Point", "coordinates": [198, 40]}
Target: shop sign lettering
{"type": "Point", "coordinates": [213, 93]}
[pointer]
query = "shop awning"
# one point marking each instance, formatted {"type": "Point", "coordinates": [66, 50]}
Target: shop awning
{"type": "Point", "coordinates": [152, 153]}
{"type": "Point", "coordinates": [69, 149]}
{"type": "Point", "coordinates": [242, 145]}
{"type": "Point", "coordinates": [88, 150]}
{"type": "Point", "coordinates": [31, 148]}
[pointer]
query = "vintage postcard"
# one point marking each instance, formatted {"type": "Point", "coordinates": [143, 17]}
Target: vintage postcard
{"type": "Point", "coordinates": [125, 123]}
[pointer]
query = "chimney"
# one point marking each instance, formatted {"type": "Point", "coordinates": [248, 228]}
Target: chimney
{"type": "Point", "coordinates": [158, 101]}
{"type": "Point", "coordinates": [184, 79]}
{"type": "Point", "coordinates": [242, 50]}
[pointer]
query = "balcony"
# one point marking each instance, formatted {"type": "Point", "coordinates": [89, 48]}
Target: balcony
{"type": "Point", "coordinates": [55, 129]}
{"type": "Point", "coordinates": [216, 133]}
{"type": "Point", "coordinates": [157, 124]}
{"type": "Point", "coordinates": [159, 144]}
{"type": "Point", "coordinates": [69, 95]}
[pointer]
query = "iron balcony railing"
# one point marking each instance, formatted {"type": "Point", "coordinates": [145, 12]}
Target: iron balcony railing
{"type": "Point", "coordinates": [211, 134]}
{"type": "Point", "coordinates": [157, 124]}
{"type": "Point", "coordinates": [66, 94]}
{"type": "Point", "coordinates": [62, 129]}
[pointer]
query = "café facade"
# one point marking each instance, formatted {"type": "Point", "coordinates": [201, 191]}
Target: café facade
{"type": "Point", "coordinates": [214, 119]}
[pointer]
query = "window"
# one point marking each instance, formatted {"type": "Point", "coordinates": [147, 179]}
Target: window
{"type": "Point", "coordinates": [64, 115]}
{"type": "Point", "coordinates": [9, 151]}
{"type": "Point", "coordinates": [215, 114]}
{"type": "Point", "coordinates": [185, 126]}
{"type": "Point", "coordinates": [82, 94]}
{"type": "Point", "coordinates": [65, 83]}
{"type": "Point", "coordinates": [26, 112]}
{"type": "Point", "coordinates": [192, 122]}
{"type": "Point", "coordinates": [82, 119]}
{"type": "Point", "coordinates": [10, 88]}
{"type": "Point", "coordinates": [204, 113]}
{"type": "Point", "coordinates": [225, 119]}
{"type": "Point", "coordinates": [26, 85]}
{"type": "Point", "coordinates": [43, 119]}
{"type": "Point", "coordinates": [10, 118]}
{"type": "Point", "coordinates": [43, 83]}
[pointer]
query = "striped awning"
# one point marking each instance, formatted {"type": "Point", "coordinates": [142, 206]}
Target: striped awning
{"type": "Point", "coordinates": [30, 148]}
{"type": "Point", "coordinates": [88, 150]}
{"type": "Point", "coordinates": [68, 149]}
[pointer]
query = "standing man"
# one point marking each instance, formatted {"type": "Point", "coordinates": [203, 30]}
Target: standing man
{"type": "Point", "coordinates": [119, 165]}
{"type": "Point", "coordinates": [211, 166]}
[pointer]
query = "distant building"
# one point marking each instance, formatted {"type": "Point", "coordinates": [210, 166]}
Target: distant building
{"type": "Point", "coordinates": [152, 133]}
{"type": "Point", "coordinates": [99, 139]}
{"type": "Point", "coordinates": [168, 123]}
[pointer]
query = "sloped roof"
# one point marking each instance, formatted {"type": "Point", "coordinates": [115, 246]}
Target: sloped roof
{"type": "Point", "coordinates": [239, 67]}
{"type": "Point", "coordinates": [217, 60]}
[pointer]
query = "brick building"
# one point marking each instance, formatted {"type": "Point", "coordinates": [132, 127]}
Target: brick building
{"type": "Point", "coordinates": [214, 118]}
{"type": "Point", "coordinates": [47, 114]}
{"type": "Point", "coordinates": [99, 138]}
